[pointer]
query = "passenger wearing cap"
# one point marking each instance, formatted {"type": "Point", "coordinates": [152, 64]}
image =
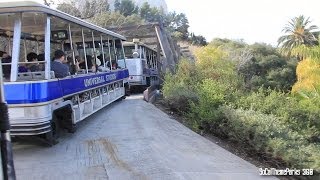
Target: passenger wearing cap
{"type": "Point", "coordinates": [60, 70]}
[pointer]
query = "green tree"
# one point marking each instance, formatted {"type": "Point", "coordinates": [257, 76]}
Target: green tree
{"type": "Point", "coordinates": [178, 23]}
{"type": "Point", "coordinates": [48, 2]}
{"type": "Point", "coordinates": [298, 31]}
{"type": "Point", "coordinates": [102, 6]}
{"type": "Point", "coordinates": [197, 40]}
{"type": "Point", "coordinates": [126, 7]}
{"type": "Point", "coordinates": [267, 68]}
{"type": "Point", "coordinates": [145, 10]}
{"type": "Point", "coordinates": [89, 9]}
{"type": "Point", "coordinates": [117, 4]}
{"type": "Point", "coordinates": [70, 8]}
{"type": "Point", "coordinates": [115, 19]}
{"type": "Point", "coordinates": [228, 44]}
{"type": "Point", "coordinates": [151, 14]}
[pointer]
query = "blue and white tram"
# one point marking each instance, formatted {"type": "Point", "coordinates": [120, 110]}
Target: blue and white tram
{"type": "Point", "coordinates": [39, 103]}
{"type": "Point", "coordinates": [141, 61]}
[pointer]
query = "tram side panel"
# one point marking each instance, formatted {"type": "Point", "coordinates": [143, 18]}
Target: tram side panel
{"type": "Point", "coordinates": [33, 105]}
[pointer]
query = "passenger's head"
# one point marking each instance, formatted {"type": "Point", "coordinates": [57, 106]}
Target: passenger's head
{"type": "Point", "coordinates": [32, 57]}
{"type": "Point", "coordinates": [4, 54]}
{"type": "Point", "coordinates": [69, 60]}
{"type": "Point", "coordinates": [100, 57]}
{"type": "Point", "coordinates": [1, 53]}
{"type": "Point", "coordinates": [59, 55]}
{"type": "Point", "coordinates": [41, 57]}
{"type": "Point", "coordinates": [6, 69]}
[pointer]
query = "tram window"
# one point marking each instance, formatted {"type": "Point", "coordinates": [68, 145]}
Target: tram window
{"type": "Point", "coordinates": [59, 35]}
{"type": "Point", "coordinates": [121, 63]}
{"type": "Point", "coordinates": [129, 50]}
{"type": "Point", "coordinates": [119, 53]}
{"type": "Point", "coordinates": [112, 54]}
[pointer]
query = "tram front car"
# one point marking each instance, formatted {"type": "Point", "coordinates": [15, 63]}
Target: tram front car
{"type": "Point", "coordinates": [39, 103]}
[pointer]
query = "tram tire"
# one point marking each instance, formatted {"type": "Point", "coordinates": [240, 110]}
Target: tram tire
{"type": "Point", "coordinates": [119, 99]}
{"type": "Point", "coordinates": [127, 89]}
{"type": "Point", "coordinates": [73, 129]}
{"type": "Point", "coordinates": [53, 136]}
{"type": "Point", "coordinates": [128, 92]}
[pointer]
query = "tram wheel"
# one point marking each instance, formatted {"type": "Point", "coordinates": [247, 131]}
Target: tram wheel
{"type": "Point", "coordinates": [52, 136]}
{"type": "Point", "coordinates": [72, 129]}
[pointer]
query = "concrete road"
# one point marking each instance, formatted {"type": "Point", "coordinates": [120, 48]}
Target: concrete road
{"type": "Point", "coordinates": [130, 139]}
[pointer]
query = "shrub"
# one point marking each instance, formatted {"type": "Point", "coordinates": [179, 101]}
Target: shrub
{"type": "Point", "coordinates": [300, 116]}
{"type": "Point", "coordinates": [249, 108]}
{"type": "Point", "coordinates": [178, 89]}
{"type": "Point", "coordinates": [211, 95]}
{"type": "Point", "coordinates": [267, 133]}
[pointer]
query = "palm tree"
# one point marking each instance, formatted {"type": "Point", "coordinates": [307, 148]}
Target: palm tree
{"type": "Point", "coordinates": [297, 32]}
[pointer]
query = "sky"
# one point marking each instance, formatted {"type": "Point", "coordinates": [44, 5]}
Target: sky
{"type": "Point", "coordinates": [250, 20]}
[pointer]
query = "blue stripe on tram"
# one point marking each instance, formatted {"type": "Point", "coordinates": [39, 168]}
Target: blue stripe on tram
{"type": "Point", "coordinates": [39, 92]}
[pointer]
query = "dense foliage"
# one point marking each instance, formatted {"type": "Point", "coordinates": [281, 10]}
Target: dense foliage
{"type": "Point", "coordinates": [260, 64]}
{"type": "Point", "coordinates": [215, 95]}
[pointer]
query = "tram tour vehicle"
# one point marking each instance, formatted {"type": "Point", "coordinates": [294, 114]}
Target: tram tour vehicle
{"type": "Point", "coordinates": [141, 61]}
{"type": "Point", "coordinates": [40, 102]}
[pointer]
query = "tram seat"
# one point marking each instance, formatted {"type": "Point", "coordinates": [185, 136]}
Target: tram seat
{"type": "Point", "coordinates": [28, 76]}
{"type": "Point", "coordinates": [38, 75]}
{"type": "Point", "coordinates": [41, 75]}
{"type": "Point", "coordinates": [52, 75]}
{"type": "Point", "coordinates": [25, 76]}
{"type": "Point", "coordinates": [81, 71]}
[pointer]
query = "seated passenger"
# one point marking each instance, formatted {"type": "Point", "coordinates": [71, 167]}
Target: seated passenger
{"type": "Point", "coordinates": [1, 53]}
{"type": "Point", "coordinates": [4, 55]}
{"type": "Point", "coordinates": [41, 58]}
{"type": "Point", "coordinates": [82, 64]}
{"type": "Point", "coordinates": [108, 65]}
{"type": "Point", "coordinates": [22, 69]}
{"type": "Point", "coordinates": [6, 69]}
{"type": "Point", "coordinates": [33, 57]}
{"type": "Point", "coordinates": [115, 66]}
{"type": "Point", "coordinates": [60, 70]}
{"type": "Point", "coordinates": [101, 67]}
{"type": "Point", "coordinates": [74, 68]}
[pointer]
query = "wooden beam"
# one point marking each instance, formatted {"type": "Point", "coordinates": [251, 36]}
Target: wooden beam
{"type": "Point", "coordinates": [151, 25]}
{"type": "Point", "coordinates": [152, 43]}
{"type": "Point", "coordinates": [142, 36]}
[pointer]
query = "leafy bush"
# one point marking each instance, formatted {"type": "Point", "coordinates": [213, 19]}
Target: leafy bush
{"type": "Point", "coordinates": [271, 71]}
{"type": "Point", "coordinates": [178, 89]}
{"type": "Point", "coordinates": [243, 102]}
{"type": "Point", "coordinates": [300, 116]}
{"type": "Point", "coordinates": [211, 95]}
{"type": "Point", "coordinates": [212, 64]}
{"type": "Point", "coordinates": [267, 133]}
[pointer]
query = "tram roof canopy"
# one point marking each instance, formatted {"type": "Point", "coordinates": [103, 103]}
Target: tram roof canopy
{"type": "Point", "coordinates": [31, 6]}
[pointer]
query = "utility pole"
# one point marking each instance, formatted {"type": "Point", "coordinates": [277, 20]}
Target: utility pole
{"type": "Point", "coordinates": [6, 147]}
